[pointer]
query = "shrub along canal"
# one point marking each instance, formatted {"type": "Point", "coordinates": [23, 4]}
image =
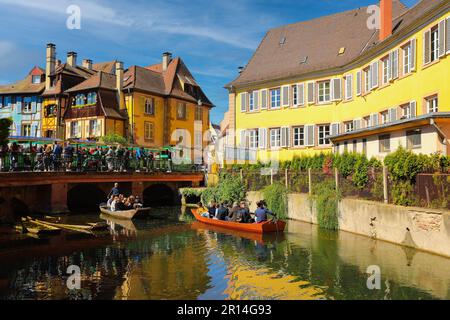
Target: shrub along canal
{"type": "Point", "coordinates": [173, 257]}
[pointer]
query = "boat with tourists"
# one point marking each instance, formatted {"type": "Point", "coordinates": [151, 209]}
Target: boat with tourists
{"type": "Point", "coordinates": [126, 214]}
{"type": "Point", "coordinates": [270, 226]}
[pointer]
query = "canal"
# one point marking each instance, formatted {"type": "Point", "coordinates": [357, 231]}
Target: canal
{"type": "Point", "coordinates": [172, 257]}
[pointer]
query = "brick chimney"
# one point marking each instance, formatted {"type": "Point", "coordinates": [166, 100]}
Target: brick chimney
{"type": "Point", "coordinates": [72, 59]}
{"type": "Point", "coordinates": [166, 58]}
{"type": "Point", "coordinates": [87, 63]}
{"type": "Point", "coordinates": [50, 64]}
{"type": "Point", "coordinates": [385, 19]}
{"type": "Point", "coordinates": [119, 84]}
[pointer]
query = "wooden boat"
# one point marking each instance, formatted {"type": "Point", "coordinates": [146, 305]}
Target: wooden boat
{"type": "Point", "coordinates": [265, 227]}
{"type": "Point", "coordinates": [34, 228]}
{"type": "Point", "coordinates": [126, 215]}
{"type": "Point", "coordinates": [91, 227]}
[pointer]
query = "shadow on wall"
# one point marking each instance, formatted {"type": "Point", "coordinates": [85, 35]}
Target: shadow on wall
{"type": "Point", "coordinates": [85, 198]}
{"type": "Point", "coordinates": [160, 195]}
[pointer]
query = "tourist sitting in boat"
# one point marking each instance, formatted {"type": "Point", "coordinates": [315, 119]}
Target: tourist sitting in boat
{"type": "Point", "coordinates": [262, 212]}
{"type": "Point", "coordinates": [222, 212]}
{"type": "Point", "coordinates": [137, 203]}
{"type": "Point", "coordinates": [244, 213]}
{"type": "Point", "coordinates": [212, 209]}
{"type": "Point", "coordinates": [234, 215]}
{"type": "Point", "coordinates": [204, 212]}
{"type": "Point", "coordinates": [115, 204]}
{"type": "Point", "coordinates": [110, 201]}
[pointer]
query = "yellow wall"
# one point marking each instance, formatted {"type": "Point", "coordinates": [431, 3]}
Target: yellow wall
{"type": "Point", "coordinates": [115, 126]}
{"type": "Point", "coordinates": [423, 82]}
{"type": "Point", "coordinates": [48, 123]}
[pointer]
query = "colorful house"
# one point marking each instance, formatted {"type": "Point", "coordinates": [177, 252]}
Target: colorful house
{"type": "Point", "coordinates": [94, 107]}
{"type": "Point", "coordinates": [60, 78]}
{"type": "Point", "coordinates": [22, 103]}
{"type": "Point", "coordinates": [337, 83]}
{"type": "Point", "coordinates": [166, 106]}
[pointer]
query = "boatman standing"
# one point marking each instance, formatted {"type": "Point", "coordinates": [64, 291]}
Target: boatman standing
{"type": "Point", "coordinates": [114, 191]}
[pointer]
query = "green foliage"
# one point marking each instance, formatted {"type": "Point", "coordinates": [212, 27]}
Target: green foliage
{"type": "Point", "coordinates": [230, 188]}
{"type": "Point", "coordinates": [361, 172]}
{"type": "Point", "coordinates": [5, 125]}
{"type": "Point", "coordinates": [114, 138]}
{"type": "Point", "coordinates": [405, 165]}
{"type": "Point", "coordinates": [345, 163]}
{"type": "Point", "coordinates": [327, 202]}
{"type": "Point", "coordinates": [276, 196]}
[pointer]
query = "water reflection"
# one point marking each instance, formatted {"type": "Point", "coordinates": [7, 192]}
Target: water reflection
{"type": "Point", "coordinates": [173, 259]}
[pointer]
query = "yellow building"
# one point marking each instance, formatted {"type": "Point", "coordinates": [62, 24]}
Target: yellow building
{"type": "Point", "coordinates": [167, 107]}
{"type": "Point", "coordinates": [337, 82]}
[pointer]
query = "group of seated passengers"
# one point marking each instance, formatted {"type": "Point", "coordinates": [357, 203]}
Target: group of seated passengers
{"type": "Point", "coordinates": [238, 212]}
{"type": "Point", "coordinates": [120, 203]}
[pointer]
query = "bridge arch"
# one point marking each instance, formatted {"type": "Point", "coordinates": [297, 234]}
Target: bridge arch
{"type": "Point", "coordinates": [85, 198]}
{"type": "Point", "coordinates": [159, 195]}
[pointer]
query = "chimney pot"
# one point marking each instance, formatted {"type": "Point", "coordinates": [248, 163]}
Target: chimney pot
{"type": "Point", "coordinates": [72, 59]}
{"type": "Point", "coordinates": [50, 64]}
{"type": "Point", "coordinates": [119, 84]}
{"type": "Point", "coordinates": [385, 19]}
{"type": "Point", "coordinates": [166, 59]}
{"type": "Point", "coordinates": [87, 63]}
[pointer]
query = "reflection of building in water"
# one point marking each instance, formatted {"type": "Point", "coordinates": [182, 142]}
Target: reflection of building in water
{"type": "Point", "coordinates": [173, 269]}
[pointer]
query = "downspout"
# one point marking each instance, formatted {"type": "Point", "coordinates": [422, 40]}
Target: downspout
{"type": "Point", "coordinates": [441, 134]}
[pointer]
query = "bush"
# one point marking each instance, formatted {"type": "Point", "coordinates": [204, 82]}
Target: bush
{"type": "Point", "coordinates": [276, 196]}
{"type": "Point", "coordinates": [327, 202]}
{"type": "Point", "coordinates": [230, 188]}
{"type": "Point", "coordinates": [5, 125]}
{"type": "Point", "coordinates": [361, 172]}
{"type": "Point", "coordinates": [114, 138]}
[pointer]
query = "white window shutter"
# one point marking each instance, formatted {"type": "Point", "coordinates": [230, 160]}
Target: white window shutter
{"type": "Point", "coordinates": [285, 96]}
{"type": "Point", "coordinates": [243, 138]}
{"type": "Point", "coordinates": [392, 114]}
{"type": "Point", "coordinates": [374, 69]}
{"type": "Point", "coordinates": [442, 38]}
{"type": "Point", "coordinates": [262, 138]}
{"type": "Point", "coordinates": [394, 64]}
{"type": "Point", "coordinates": [427, 47]}
{"type": "Point", "coordinates": [356, 124]}
{"type": "Point", "coordinates": [349, 87]}
{"type": "Point", "coordinates": [358, 83]}
{"type": "Point", "coordinates": [310, 135]}
{"type": "Point", "coordinates": [256, 100]}
{"type": "Point", "coordinates": [413, 109]}
{"type": "Point", "coordinates": [374, 119]}
{"type": "Point", "coordinates": [311, 92]}
{"type": "Point", "coordinates": [335, 129]}
{"type": "Point", "coordinates": [264, 99]}
{"type": "Point", "coordinates": [336, 88]}
{"type": "Point", "coordinates": [243, 102]}
{"type": "Point", "coordinates": [447, 33]}
{"type": "Point", "coordinates": [285, 137]}
{"type": "Point", "coordinates": [301, 94]}
{"type": "Point", "coordinates": [413, 55]}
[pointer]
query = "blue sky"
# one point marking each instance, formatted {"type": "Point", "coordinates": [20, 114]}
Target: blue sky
{"type": "Point", "coordinates": [213, 37]}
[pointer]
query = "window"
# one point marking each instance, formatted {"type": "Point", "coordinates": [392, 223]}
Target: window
{"type": "Point", "coordinates": [432, 104]}
{"type": "Point", "coordinates": [50, 111]}
{"type": "Point", "coordinates": [26, 107]}
{"type": "Point", "coordinates": [386, 70]}
{"type": "Point", "coordinates": [26, 130]}
{"type": "Point", "coordinates": [324, 89]}
{"type": "Point", "coordinates": [349, 127]}
{"type": "Point", "coordinates": [149, 108]}
{"type": "Point", "coordinates": [36, 79]}
{"type": "Point", "coordinates": [385, 143]}
{"type": "Point", "coordinates": [434, 53]}
{"type": "Point", "coordinates": [75, 129]}
{"type": "Point", "coordinates": [149, 133]}
{"type": "Point", "coordinates": [275, 138]}
{"type": "Point", "coordinates": [295, 95]}
{"type": "Point", "coordinates": [91, 98]}
{"type": "Point", "coordinates": [181, 111]}
{"type": "Point", "coordinates": [366, 121]}
{"type": "Point", "coordinates": [364, 146]}
{"type": "Point", "coordinates": [198, 140]}
{"type": "Point", "coordinates": [349, 87]}
{"type": "Point", "coordinates": [384, 117]}
{"type": "Point", "coordinates": [299, 137]}
{"type": "Point", "coordinates": [198, 113]}
{"type": "Point", "coordinates": [80, 100]}
{"type": "Point", "coordinates": [324, 133]}
{"type": "Point", "coordinates": [408, 110]}
{"type": "Point", "coordinates": [407, 59]}
{"type": "Point", "coordinates": [253, 139]}
{"type": "Point", "coordinates": [345, 147]}
{"type": "Point", "coordinates": [414, 139]}
{"type": "Point", "coordinates": [275, 98]}
{"type": "Point", "coordinates": [251, 102]}
{"type": "Point", "coordinates": [94, 128]}
{"type": "Point", "coordinates": [355, 145]}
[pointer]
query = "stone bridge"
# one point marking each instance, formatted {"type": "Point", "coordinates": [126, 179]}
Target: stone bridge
{"type": "Point", "coordinates": [57, 192]}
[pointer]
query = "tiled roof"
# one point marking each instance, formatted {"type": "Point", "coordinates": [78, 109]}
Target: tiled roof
{"type": "Point", "coordinates": [25, 85]}
{"type": "Point", "coordinates": [318, 42]}
{"type": "Point", "coordinates": [108, 67]}
{"type": "Point", "coordinates": [100, 80]}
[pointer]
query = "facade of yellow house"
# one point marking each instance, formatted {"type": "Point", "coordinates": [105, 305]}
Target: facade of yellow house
{"type": "Point", "coordinates": [166, 107]}
{"type": "Point", "coordinates": [310, 84]}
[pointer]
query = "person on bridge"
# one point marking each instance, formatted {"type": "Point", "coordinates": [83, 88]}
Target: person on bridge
{"type": "Point", "coordinates": [114, 191]}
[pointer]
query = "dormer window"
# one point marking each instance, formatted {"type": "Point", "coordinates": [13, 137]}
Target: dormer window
{"type": "Point", "coordinates": [92, 98]}
{"type": "Point", "coordinates": [36, 79]}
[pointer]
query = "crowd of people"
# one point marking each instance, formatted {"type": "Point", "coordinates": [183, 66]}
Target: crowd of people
{"type": "Point", "coordinates": [237, 212]}
{"type": "Point", "coordinates": [118, 202]}
{"type": "Point", "coordinates": [67, 157]}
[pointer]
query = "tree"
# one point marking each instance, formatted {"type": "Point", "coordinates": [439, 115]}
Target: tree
{"type": "Point", "coordinates": [114, 138]}
{"type": "Point", "coordinates": [5, 125]}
